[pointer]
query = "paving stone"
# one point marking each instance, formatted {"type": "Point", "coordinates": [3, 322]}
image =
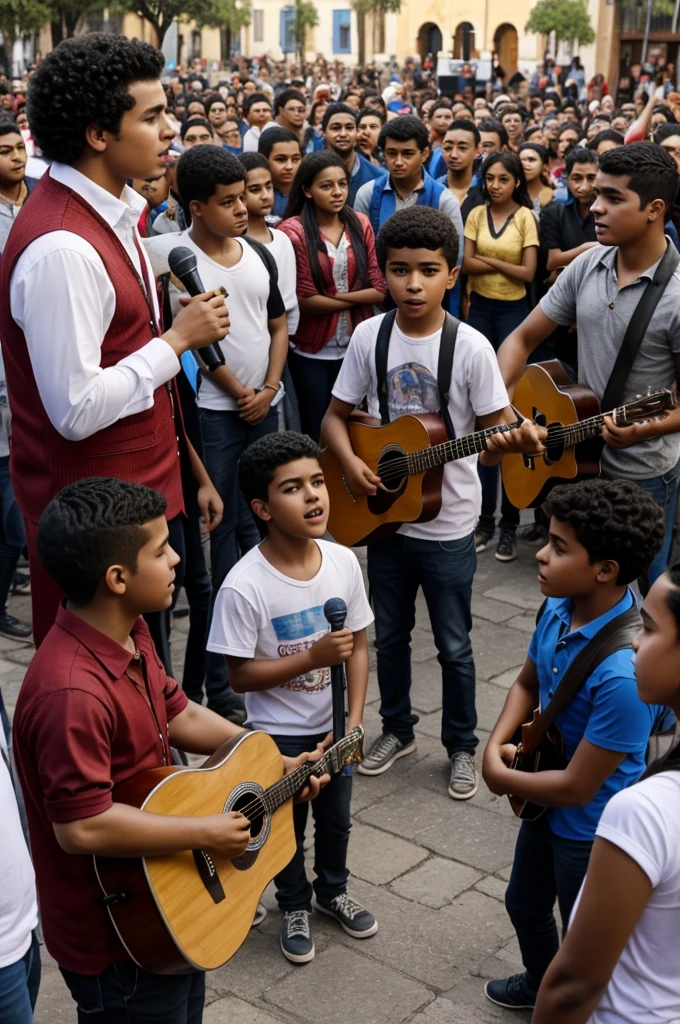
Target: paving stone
{"type": "Point", "coordinates": [506, 679]}
{"type": "Point", "coordinates": [436, 882]}
{"type": "Point", "coordinates": [379, 857]}
{"type": "Point", "coordinates": [522, 593]}
{"type": "Point", "coordinates": [371, 789]}
{"type": "Point", "coordinates": [488, 700]}
{"type": "Point", "coordinates": [257, 965]}
{"type": "Point", "coordinates": [526, 623]}
{"type": "Point", "coordinates": [496, 647]}
{"type": "Point", "coordinates": [341, 985]}
{"type": "Point", "coordinates": [230, 1010]}
{"type": "Point", "coordinates": [55, 1003]}
{"type": "Point", "coordinates": [493, 611]}
{"type": "Point", "coordinates": [433, 773]}
{"type": "Point", "coordinates": [426, 686]}
{"type": "Point", "coordinates": [504, 873]}
{"type": "Point", "coordinates": [9, 645]}
{"type": "Point", "coordinates": [20, 654]}
{"type": "Point", "coordinates": [492, 886]}
{"type": "Point", "coordinates": [450, 828]}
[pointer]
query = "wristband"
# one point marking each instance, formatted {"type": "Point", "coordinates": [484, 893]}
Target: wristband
{"type": "Point", "coordinates": [271, 387]}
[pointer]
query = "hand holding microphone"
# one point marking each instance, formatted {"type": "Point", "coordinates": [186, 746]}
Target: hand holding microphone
{"type": "Point", "coordinates": [204, 318]}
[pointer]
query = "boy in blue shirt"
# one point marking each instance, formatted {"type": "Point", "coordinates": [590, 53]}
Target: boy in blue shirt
{"type": "Point", "coordinates": [603, 535]}
{"type": "Point", "coordinates": [270, 625]}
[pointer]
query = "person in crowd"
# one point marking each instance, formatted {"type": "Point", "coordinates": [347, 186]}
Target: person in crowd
{"type": "Point", "coordinates": [257, 111]}
{"type": "Point", "coordinates": [97, 675]}
{"type": "Point", "coordinates": [636, 187]}
{"type": "Point", "coordinates": [617, 961]}
{"type": "Point", "coordinates": [290, 112]}
{"type": "Point", "coordinates": [512, 120]}
{"type": "Point", "coordinates": [668, 137]}
{"type": "Point", "coordinates": [269, 624]}
{"type": "Point", "coordinates": [369, 125]}
{"type": "Point", "coordinates": [216, 111]}
{"type": "Point", "coordinates": [605, 140]}
{"type": "Point", "coordinates": [493, 137]}
{"type": "Point", "coordinates": [418, 252]}
{"type": "Point", "coordinates": [534, 161]}
{"type": "Point", "coordinates": [282, 150]}
{"type": "Point", "coordinates": [338, 279]}
{"type": "Point", "coordinates": [461, 148]}
{"type": "Point", "coordinates": [229, 135]}
{"type": "Point", "coordinates": [568, 229]}
{"type": "Point", "coordinates": [569, 135]}
{"type": "Point", "coordinates": [603, 535]}
{"type": "Point", "coordinates": [339, 128]}
{"type": "Point", "coordinates": [15, 186]}
{"type": "Point", "coordinates": [313, 139]}
{"type": "Point", "coordinates": [198, 131]}
{"type": "Point", "coordinates": [439, 118]}
{"type": "Point", "coordinates": [501, 245]}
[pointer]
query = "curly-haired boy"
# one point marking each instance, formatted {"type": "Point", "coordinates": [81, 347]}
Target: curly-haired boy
{"type": "Point", "coordinates": [603, 535]}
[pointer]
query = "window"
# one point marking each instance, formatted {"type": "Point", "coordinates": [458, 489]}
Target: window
{"type": "Point", "coordinates": [287, 30]}
{"type": "Point", "coordinates": [258, 26]}
{"type": "Point", "coordinates": [342, 32]}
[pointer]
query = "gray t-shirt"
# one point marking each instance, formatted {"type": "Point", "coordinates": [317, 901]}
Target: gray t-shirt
{"type": "Point", "coordinates": [587, 293]}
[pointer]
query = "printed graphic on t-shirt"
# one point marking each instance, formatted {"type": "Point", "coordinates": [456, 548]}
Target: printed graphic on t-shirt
{"type": "Point", "coordinates": [411, 388]}
{"type": "Point", "coordinates": [297, 632]}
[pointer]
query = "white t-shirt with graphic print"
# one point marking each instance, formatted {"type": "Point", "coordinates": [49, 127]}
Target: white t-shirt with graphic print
{"type": "Point", "coordinates": [477, 389]}
{"type": "Point", "coordinates": [260, 613]}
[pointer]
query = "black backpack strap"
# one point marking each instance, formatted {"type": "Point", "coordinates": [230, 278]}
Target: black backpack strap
{"type": "Point", "coordinates": [447, 348]}
{"type": "Point", "coordinates": [637, 328]}
{"type": "Point", "coordinates": [382, 346]}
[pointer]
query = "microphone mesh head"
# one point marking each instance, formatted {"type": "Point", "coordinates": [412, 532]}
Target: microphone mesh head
{"type": "Point", "coordinates": [181, 260]}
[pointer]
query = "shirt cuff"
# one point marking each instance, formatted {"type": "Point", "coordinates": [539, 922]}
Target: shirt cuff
{"type": "Point", "coordinates": [158, 357]}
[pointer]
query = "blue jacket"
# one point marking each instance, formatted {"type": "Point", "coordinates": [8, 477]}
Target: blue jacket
{"type": "Point", "coordinates": [367, 172]}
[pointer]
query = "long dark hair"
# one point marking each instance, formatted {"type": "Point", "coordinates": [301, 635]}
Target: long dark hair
{"type": "Point", "coordinates": [670, 761]}
{"type": "Point", "coordinates": [513, 165]}
{"type": "Point", "coordinates": [300, 205]}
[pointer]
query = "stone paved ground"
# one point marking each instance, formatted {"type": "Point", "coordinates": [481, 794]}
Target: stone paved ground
{"type": "Point", "coordinates": [433, 870]}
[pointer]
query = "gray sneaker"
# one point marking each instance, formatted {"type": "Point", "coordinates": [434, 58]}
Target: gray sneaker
{"type": "Point", "coordinates": [464, 783]}
{"type": "Point", "coordinates": [385, 750]}
{"type": "Point", "coordinates": [297, 944]}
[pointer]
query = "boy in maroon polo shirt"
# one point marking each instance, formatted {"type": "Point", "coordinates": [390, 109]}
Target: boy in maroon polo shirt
{"type": "Point", "coordinates": [95, 708]}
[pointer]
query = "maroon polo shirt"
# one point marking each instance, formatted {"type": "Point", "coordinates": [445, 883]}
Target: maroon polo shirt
{"type": "Point", "coordinates": [83, 724]}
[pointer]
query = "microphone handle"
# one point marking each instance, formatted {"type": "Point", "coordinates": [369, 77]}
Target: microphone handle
{"type": "Point", "coordinates": [211, 354]}
{"type": "Point", "coordinates": [338, 690]}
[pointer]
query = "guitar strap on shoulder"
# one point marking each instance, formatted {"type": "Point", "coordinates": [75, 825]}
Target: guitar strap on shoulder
{"type": "Point", "coordinates": [447, 348]}
{"type": "Point", "coordinates": [637, 328]}
{"type": "Point", "coordinates": [614, 636]}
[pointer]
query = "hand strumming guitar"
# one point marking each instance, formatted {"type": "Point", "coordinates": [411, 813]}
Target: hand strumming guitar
{"type": "Point", "coordinates": [360, 478]}
{"type": "Point", "coordinates": [229, 834]}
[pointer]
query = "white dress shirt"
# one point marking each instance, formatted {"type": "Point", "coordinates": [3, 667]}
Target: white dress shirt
{"type": "Point", "coordinates": [63, 300]}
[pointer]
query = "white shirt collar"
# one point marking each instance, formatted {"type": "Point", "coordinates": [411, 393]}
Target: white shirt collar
{"type": "Point", "coordinates": [118, 213]}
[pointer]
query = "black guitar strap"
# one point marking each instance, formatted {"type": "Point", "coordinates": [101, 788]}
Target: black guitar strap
{"type": "Point", "coordinates": [447, 348]}
{"type": "Point", "coordinates": [637, 328]}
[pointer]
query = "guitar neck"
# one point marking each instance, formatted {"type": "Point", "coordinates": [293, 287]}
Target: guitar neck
{"type": "Point", "coordinates": [333, 761]}
{"type": "Point", "coordinates": [460, 448]}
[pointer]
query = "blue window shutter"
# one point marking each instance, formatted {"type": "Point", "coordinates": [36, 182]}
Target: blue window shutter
{"type": "Point", "coordinates": [286, 30]}
{"type": "Point", "coordinates": [342, 20]}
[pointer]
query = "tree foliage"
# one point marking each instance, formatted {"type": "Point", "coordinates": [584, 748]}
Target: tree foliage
{"type": "Point", "coordinates": [19, 16]}
{"type": "Point", "coordinates": [306, 17]}
{"type": "Point", "coordinates": [568, 19]}
{"type": "Point", "coordinates": [378, 8]}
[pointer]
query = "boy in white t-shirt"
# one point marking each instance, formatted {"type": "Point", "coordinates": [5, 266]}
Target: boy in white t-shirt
{"type": "Point", "coordinates": [417, 251]}
{"type": "Point", "coordinates": [269, 623]}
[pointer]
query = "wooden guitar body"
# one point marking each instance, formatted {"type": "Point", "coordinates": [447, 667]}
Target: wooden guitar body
{"type": "Point", "coordinates": [547, 755]}
{"type": "Point", "coordinates": [152, 899]}
{"type": "Point", "coordinates": [365, 520]}
{"type": "Point", "coordinates": [546, 394]}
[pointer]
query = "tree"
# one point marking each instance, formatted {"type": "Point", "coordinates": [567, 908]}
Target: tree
{"type": "Point", "coordinates": [64, 16]}
{"type": "Point", "coordinates": [568, 19]}
{"type": "Point", "coordinates": [21, 16]}
{"type": "Point", "coordinates": [229, 15]}
{"type": "Point", "coordinates": [306, 17]}
{"type": "Point", "coordinates": [378, 8]}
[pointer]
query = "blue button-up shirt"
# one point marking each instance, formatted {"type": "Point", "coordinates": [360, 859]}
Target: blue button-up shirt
{"type": "Point", "coordinates": [606, 711]}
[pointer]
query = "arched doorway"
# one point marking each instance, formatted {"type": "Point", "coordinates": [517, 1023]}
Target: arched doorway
{"type": "Point", "coordinates": [429, 40]}
{"type": "Point", "coordinates": [464, 41]}
{"type": "Point", "coordinates": [505, 46]}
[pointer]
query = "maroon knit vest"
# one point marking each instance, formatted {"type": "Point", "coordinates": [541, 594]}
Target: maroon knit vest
{"type": "Point", "coordinates": [142, 448]}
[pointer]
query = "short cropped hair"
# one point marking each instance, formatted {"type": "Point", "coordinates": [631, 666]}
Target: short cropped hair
{"type": "Point", "coordinates": [371, 112]}
{"type": "Point", "coordinates": [492, 124]}
{"type": "Point", "coordinates": [612, 519]}
{"type": "Point", "coordinates": [250, 101]}
{"type": "Point", "coordinates": [418, 227]}
{"type": "Point", "coordinates": [269, 139]}
{"type": "Point", "coordinates": [201, 169]}
{"type": "Point", "coordinates": [84, 81]}
{"type": "Point", "coordinates": [260, 460]}
{"type": "Point", "coordinates": [9, 127]}
{"type": "Point", "coordinates": [462, 124]}
{"type": "Point", "coordinates": [195, 121]}
{"type": "Point", "coordinates": [91, 525]}
{"type": "Point", "coordinates": [286, 96]}
{"type": "Point", "coordinates": [580, 155]}
{"type": "Point", "coordinates": [405, 128]}
{"type": "Point", "coordinates": [652, 171]}
{"type": "Point", "coordinates": [253, 162]}
{"type": "Point", "coordinates": [337, 108]}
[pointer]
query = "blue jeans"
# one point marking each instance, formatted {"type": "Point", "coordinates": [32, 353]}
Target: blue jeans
{"type": "Point", "coordinates": [332, 824]}
{"type": "Point", "coordinates": [546, 868]}
{"type": "Point", "coordinates": [126, 994]}
{"type": "Point", "coordinates": [19, 984]}
{"type": "Point", "coordinates": [314, 380]}
{"type": "Point", "coordinates": [397, 568]}
{"type": "Point", "coordinates": [664, 490]}
{"type": "Point", "coordinates": [12, 534]}
{"type": "Point", "coordinates": [225, 436]}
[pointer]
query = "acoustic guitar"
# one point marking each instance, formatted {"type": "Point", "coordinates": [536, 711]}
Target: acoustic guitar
{"type": "Point", "coordinates": [192, 910]}
{"type": "Point", "coordinates": [571, 412]}
{"type": "Point", "coordinates": [409, 456]}
{"type": "Point", "coordinates": [538, 750]}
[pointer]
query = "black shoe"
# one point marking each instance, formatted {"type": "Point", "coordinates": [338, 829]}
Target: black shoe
{"type": "Point", "coordinates": [535, 534]}
{"type": "Point", "coordinates": [14, 629]}
{"type": "Point", "coordinates": [484, 532]}
{"type": "Point", "coordinates": [513, 993]}
{"type": "Point", "coordinates": [506, 549]}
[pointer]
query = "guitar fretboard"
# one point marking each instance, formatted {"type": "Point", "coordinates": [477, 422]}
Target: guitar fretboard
{"type": "Point", "coordinates": [449, 451]}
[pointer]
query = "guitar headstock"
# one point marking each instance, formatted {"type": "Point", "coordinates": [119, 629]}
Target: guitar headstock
{"type": "Point", "coordinates": [654, 405]}
{"type": "Point", "coordinates": [348, 750]}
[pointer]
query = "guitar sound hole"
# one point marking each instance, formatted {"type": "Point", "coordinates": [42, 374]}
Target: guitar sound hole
{"type": "Point", "coordinates": [389, 469]}
{"type": "Point", "coordinates": [554, 445]}
{"type": "Point", "coordinates": [256, 820]}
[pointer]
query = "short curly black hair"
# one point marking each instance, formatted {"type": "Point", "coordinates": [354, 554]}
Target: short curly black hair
{"type": "Point", "coordinates": [259, 462]}
{"type": "Point", "coordinates": [85, 81]}
{"type": "Point", "coordinates": [202, 169]}
{"type": "Point", "coordinates": [405, 128]}
{"type": "Point", "coordinates": [418, 227]}
{"type": "Point", "coordinates": [612, 519]}
{"type": "Point", "coordinates": [91, 525]}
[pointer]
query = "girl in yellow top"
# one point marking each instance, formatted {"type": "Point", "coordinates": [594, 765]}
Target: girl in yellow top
{"type": "Point", "coordinates": [501, 246]}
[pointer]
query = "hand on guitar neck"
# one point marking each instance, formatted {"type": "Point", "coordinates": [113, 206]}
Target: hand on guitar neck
{"type": "Point", "coordinates": [527, 439]}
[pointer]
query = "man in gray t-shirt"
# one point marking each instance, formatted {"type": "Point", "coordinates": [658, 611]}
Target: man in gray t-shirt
{"type": "Point", "coordinates": [636, 187]}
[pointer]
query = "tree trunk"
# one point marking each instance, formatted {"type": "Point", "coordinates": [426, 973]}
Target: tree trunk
{"type": "Point", "coordinates": [57, 30]}
{"type": "Point", "coordinates": [161, 29]}
{"type": "Point", "coordinates": [361, 37]}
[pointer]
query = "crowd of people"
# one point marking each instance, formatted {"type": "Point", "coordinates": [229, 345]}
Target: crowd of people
{"type": "Point", "coordinates": [358, 241]}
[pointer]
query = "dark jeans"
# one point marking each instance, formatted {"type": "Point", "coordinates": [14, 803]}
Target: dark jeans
{"type": "Point", "coordinates": [546, 867]}
{"type": "Point", "coordinates": [199, 591]}
{"type": "Point", "coordinates": [397, 568]}
{"type": "Point", "coordinates": [488, 476]}
{"type": "Point", "coordinates": [225, 437]}
{"type": "Point", "coordinates": [332, 824]}
{"type": "Point", "coordinates": [314, 380]}
{"type": "Point", "coordinates": [664, 490]}
{"type": "Point", "coordinates": [127, 994]}
{"type": "Point", "coordinates": [496, 318]}
{"type": "Point", "coordinates": [12, 534]}
{"type": "Point", "coordinates": [159, 623]}
{"type": "Point", "coordinates": [19, 984]}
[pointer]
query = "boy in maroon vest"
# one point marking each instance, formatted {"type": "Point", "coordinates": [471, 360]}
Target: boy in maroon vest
{"type": "Point", "coordinates": [89, 371]}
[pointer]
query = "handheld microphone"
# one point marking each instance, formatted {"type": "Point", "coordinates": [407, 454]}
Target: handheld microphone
{"type": "Point", "coordinates": [182, 263]}
{"type": "Point", "coordinates": [335, 611]}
